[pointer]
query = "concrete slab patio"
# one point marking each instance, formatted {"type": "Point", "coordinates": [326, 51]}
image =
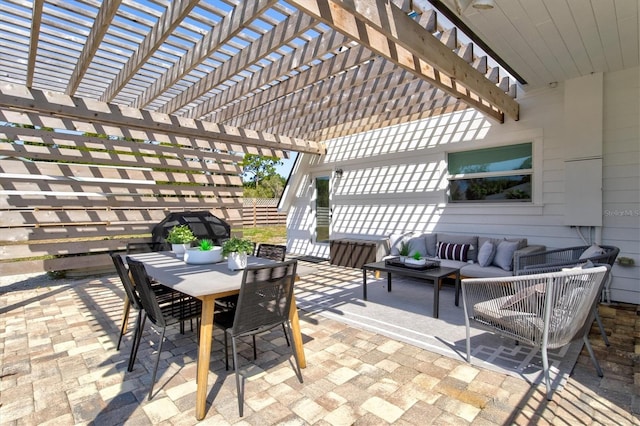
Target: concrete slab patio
{"type": "Point", "coordinates": [60, 366]}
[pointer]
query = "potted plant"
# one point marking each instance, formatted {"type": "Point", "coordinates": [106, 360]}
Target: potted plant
{"type": "Point", "coordinates": [416, 259]}
{"type": "Point", "coordinates": [204, 252]}
{"type": "Point", "coordinates": [180, 238]}
{"type": "Point", "coordinates": [404, 250]}
{"type": "Point", "coordinates": [236, 250]}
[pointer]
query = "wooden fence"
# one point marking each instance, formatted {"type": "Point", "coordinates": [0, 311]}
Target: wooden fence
{"type": "Point", "coordinates": [261, 212]}
{"type": "Point", "coordinates": [72, 191]}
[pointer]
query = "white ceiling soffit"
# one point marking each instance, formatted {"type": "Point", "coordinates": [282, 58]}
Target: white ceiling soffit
{"type": "Point", "coordinates": [309, 69]}
{"type": "Point", "coordinates": [550, 41]}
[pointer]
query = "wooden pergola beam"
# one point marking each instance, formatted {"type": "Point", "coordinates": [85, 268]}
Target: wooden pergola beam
{"type": "Point", "coordinates": [388, 31]}
{"type": "Point", "coordinates": [281, 34]}
{"type": "Point", "coordinates": [170, 19]}
{"type": "Point", "coordinates": [229, 27]}
{"type": "Point", "coordinates": [60, 105]}
{"type": "Point", "coordinates": [36, 20]}
{"type": "Point", "coordinates": [100, 27]}
{"type": "Point", "coordinates": [315, 48]}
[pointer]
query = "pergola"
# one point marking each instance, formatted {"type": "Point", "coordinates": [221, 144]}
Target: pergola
{"type": "Point", "coordinates": [308, 69]}
{"type": "Point", "coordinates": [118, 111]}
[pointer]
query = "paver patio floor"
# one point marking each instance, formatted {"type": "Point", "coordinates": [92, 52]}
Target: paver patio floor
{"type": "Point", "coordinates": [60, 366]}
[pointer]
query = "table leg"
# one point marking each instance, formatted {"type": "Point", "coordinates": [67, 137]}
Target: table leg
{"type": "Point", "coordinates": [204, 355]}
{"type": "Point", "coordinates": [126, 308]}
{"type": "Point", "coordinates": [436, 297]}
{"type": "Point", "coordinates": [297, 334]}
{"type": "Point", "coordinates": [364, 284]}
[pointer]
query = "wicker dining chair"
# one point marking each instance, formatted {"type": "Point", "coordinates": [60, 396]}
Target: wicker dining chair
{"type": "Point", "coordinates": [228, 303]}
{"type": "Point", "coordinates": [264, 302]}
{"type": "Point", "coordinates": [161, 316]}
{"type": "Point", "coordinates": [165, 294]}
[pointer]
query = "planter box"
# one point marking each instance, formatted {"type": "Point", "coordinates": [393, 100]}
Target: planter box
{"type": "Point", "coordinates": [237, 261]}
{"type": "Point", "coordinates": [179, 249]}
{"type": "Point", "coordinates": [195, 256]}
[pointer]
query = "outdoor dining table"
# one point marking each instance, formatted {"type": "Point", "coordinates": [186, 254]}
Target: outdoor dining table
{"type": "Point", "coordinates": [208, 282]}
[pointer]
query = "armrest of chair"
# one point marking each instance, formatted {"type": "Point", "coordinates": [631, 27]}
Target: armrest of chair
{"type": "Point", "coordinates": [527, 253]}
{"type": "Point", "coordinates": [563, 256]}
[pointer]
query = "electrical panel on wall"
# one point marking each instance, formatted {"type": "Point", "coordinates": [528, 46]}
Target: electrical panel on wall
{"type": "Point", "coordinates": [583, 192]}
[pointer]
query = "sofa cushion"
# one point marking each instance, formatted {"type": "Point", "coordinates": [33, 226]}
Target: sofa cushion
{"type": "Point", "coordinates": [486, 253]}
{"type": "Point", "coordinates": [504, 254]}
{"type": "Point", "coordinates": [446, 263]}
{"type": "Point", "coordinates": [528, 299]}
{"type": "Point", "coordinates": [394, 244]}
{"type": "Point", "coordinates": [418, 244]}
{"type": "Point", "coordinates": [474, 270]}
{"type": "Point", "coordinates": [461, 239]}
{"type": "Point", "coordinates": [395, 241]}
{"type": "Point", "coordinates": [453, 251]}
{"type": "Point", "coordinates": [430, 240]}
{"type": "Point", "coordinates": [522, 242]}
{"type": "Point", "coordinates": [593, 250]}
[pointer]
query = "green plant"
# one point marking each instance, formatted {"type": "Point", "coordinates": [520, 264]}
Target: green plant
{"type": "Point", "coordinates": [417, 255]}
{"type": "Point", "coordinates": [237, 245]}
{"type": "Point", "coordinates": [180, 234]}
{"type": "Point", "coordinates": [404, 248]}
{"type": "Point", "coordinates": [205, 245]}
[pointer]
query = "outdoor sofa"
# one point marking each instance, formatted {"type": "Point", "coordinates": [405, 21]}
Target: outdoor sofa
{"type": "Point", "coordinates": [476, 256]}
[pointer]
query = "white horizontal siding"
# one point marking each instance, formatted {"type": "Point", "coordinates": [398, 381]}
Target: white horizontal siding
{"type": "Point", "coordinates": [621, 177]}
{"type": "Point", "coordinates": [394, 179]}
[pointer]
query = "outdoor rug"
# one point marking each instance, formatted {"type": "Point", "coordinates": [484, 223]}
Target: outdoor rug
{"type": "Point", "coordinates": [406, 314]}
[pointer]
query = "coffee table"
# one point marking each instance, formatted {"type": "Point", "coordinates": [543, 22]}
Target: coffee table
{"type": "Point", "coordinates": [434, 275]}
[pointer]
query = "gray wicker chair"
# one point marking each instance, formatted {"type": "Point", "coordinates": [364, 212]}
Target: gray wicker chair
{"type": "Point", "coordinates": [555, 260]}
{"type": "Point", "coordinates": [264, 302]}
{"type": "Point", "coordinates": [271, 251]}
{"type": "Point", "coordinates": [547, 310]}
{"type": "Point", "coordinates": [558, 259]}
{"type": "Point", "coordinates": [166, 297]}
{"type": "Point", "coordinates": [227, 304]}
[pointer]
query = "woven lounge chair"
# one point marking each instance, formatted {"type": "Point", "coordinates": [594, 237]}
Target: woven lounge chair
{"type": "Point", "coordinates": [547, 310]}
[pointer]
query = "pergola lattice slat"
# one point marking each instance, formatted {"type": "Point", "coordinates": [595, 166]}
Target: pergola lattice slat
{"type": "Point", "coordinates": [66, 106]}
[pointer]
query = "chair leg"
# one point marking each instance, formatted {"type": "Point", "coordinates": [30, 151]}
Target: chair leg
{"type": "Point", "coordinates": [155, 368]}
{"type": "Point", "coordinates": [255, 353]}
{"type": "Point", "coordinates": [468, 338]}
{"type": "Point", "coordinates": [284, 329]}
{"type": "Point", "coordinates": [602, 331]}
{"type": "Point", "coordinates": [239, 383]}
{"type": "Point", "coordinates": [226, 351]}
{"type": "Point", "coordinates": [137, 336]}
{"type": "Point", "coordinates": [545, 367]}
{"type": "Point", "coordinates": [587, 343]}
{"type": "Point", "coordinates": [125, 321]}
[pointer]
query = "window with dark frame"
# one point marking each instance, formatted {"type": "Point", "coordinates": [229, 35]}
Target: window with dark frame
{"type": "Point", "coordinates": [498, 174]}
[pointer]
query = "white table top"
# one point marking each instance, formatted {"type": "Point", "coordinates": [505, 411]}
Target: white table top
{"type": "Point", "coordinates": [197, 280]}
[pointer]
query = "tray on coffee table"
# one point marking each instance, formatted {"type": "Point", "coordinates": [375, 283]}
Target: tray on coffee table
{"type": "Point", "coordinates": [430, 264]}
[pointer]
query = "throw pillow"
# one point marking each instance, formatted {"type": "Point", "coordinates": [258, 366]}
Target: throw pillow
{"type": "Point", "coordinates": [453, 251]}
{"type": "Point", "coordinates": [504, 254]}
{"type": "Point", "coordinates": [394, 242]}
{"type": "Point", "coordinates": [587, 265]}
{"type": "Point", "coordinates": [418, 244]}
{"type": "Point", "coordinates": [486, 254]}
{"type": "Point", "coordinates": [529, 299]}
{"type": "Point", "coordinates": [594, 250]}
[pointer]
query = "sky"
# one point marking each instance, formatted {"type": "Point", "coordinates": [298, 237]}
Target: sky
{"type": "Point", "coordinates": [287, 164]}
